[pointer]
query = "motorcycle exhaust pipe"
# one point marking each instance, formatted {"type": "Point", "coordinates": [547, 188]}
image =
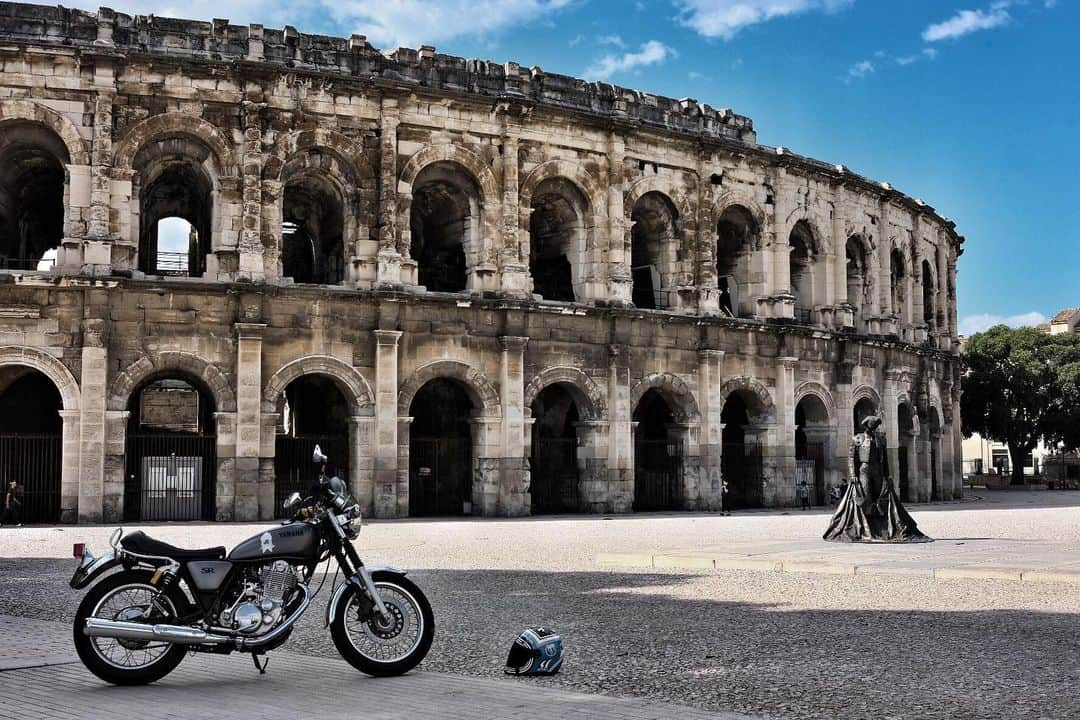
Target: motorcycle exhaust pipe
{"type": "Point", "coordinates": [178, 634]}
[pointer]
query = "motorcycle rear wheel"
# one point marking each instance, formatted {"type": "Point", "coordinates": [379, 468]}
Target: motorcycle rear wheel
{"type": "Point", "coordinates": [125, 662]}
{"type": "Point", "coordinates": [384, 648]}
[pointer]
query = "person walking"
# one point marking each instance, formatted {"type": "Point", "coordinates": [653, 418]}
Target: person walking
{"type": "Point", "coordinates": [724, 502]}
{"type": "Point", "coordinates": [803, 491]}
{"type": "Point", "coordinates": [13, 500]}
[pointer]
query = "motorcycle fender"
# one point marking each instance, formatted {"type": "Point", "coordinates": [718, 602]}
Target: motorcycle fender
{"type": "Point", "coordinates": [91, 568]}
{"type": "Point", "coordinates": [331, 607]}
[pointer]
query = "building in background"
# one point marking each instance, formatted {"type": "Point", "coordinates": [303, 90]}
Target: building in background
{"type": "Point", "coordinates": [481, 288]}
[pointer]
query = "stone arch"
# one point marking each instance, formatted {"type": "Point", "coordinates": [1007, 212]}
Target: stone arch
{"type": "Point", "coordinates": [48, 366]}
{"type": "Point", "coordinates": [163, 362]}
{"type": "Point", "coordinates": [348, 379]}
{"type": "Point", "coordinates": [765, 409]}
{"type": "Point", "coordinates": [176, 123]}
{"type": "Point", "coordinates": [674, 390]}
{"type": "Point", "coordinates": [733, 198]}
{"type": "Point", "coordinates": [572, 171]}
{"type": "Point", "coordinates": [481, 391]}
{"type": "Point", "coordinates": [821, 240]}
{"type": "Point", "coordinates": [591, 402]}
{"type": "Point", "coordinates": [473, 163]}
{"type": "Point", "coordinates": [644, 186]}
{"type": "Point", "coordinates": [349, 152]}
{"type": "Point", "coordinates": [28, 110]}
{"type": "Point", "coordinates": [812, 387]}
{"type": "Point", "coordinates": [867, 392]}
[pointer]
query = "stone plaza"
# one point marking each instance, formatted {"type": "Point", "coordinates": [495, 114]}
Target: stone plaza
{"type": "Point", "coordinates": [486, 289]}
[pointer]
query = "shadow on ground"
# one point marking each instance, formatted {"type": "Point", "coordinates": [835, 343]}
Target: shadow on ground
{"type": "Point", "coordinates": [634, 634]}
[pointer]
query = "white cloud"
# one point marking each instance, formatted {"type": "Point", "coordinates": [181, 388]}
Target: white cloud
{"type": "Point", "coordinates": [860, 69]}
{"type": "Point", "coordinates": [387, 24]}
{"type": "Point", "coordinates": [980, 323]}
{"type": "Point", "coordinates": [966, 22]}
{"type": "Point", "coordinates": [576, 40]}
{"type": "Point", "coordinates": [725, 18]}
{"type": "Point", "coordinates": [651, 53]}
{"type": "Point", "coordinates": [615, 40]}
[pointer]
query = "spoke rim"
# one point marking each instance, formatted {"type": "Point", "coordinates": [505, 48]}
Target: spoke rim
{"type": "Point", "coordinates": [384, 645]}
{"type": "Point", "coordinates": [128, 603]}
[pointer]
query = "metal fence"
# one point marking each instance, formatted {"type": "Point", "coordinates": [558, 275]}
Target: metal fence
{"type": "Point", "coordinates": [34, 461]}
{"type": "Point", "coordinates": [440, 476]}
{"type": "Point", "coordinates": [170, 477]}
{"type": "Point", "coordinates": [294, 470]}
{"type": "Point", "coordinates": [172, 263]}
{"type": "Point", "coordinates": [554, 476]}
{"type": "Point", "coordinates": [657, 475]}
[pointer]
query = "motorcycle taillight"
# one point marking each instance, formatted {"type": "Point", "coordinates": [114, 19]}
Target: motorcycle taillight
{"type": "Point", "coordinates": [78, 549]}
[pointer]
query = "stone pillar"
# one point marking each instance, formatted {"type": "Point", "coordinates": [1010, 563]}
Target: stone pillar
{"type": "Point", "coordinates": [225, 492]}
{"type": "Point", "coordinates": [889, 412]}
{"type": "Point", "coordinates": [98, 255]}
{"type": "Point", "coordinates": [785, 430]}
{"type": "Point", "coordinates": [70, 442]}
{"type": "Point", "coordinates": [387, 480]}
{"type": "Point", "coordinates": [514, 499]}
{"type": "Point", "coordinates": [513, 258]}
{"type": "Point", "coordinates": [941, 295]}
{"type": "Point", "coordinates": [362, 461]}
{"type": "Point", "coordinates": [885, 305]}
{"type": "Point", "coordinates": [252, 501]}
{"type": "Point", "coordinates": [94, 504]}
{"type": "Point", "coordinates": [593, 455]}
{"type": "Point", "coordinates": [710, 494]}
{"type": "Point", "coordinates": [703, 240]}
{"type": "Point", "coordinates": [921, 487]}
{"type": "Point", "coordinates": [844, 422]}
{"type": "Point", "coordinates": [391, 248]}
{"type": "Point", "coordinates": [250, 248]}
{"type": "Point", "coordinates": [267, 492]}
{"type": "Point", "coordinates": [487, 465]}
{"type": "Point", "coordinates": [620, 496]}
{"type": "Point", "coordinates": [621, 282]}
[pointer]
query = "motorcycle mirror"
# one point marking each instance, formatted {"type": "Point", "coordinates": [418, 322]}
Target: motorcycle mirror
{"type": "Point", "coordinates": [292, 502]}
{"type": "Point", "coordinates": [318, 457]}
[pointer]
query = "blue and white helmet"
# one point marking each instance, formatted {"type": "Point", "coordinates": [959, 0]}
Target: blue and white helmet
{"type": "Point", "coordinates": [536, 651]}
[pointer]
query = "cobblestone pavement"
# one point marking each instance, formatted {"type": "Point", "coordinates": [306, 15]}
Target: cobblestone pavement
{"type": "Point", "coordinates": [784, 645]}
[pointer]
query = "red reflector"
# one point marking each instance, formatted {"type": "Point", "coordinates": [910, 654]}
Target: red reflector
{"type": "Point", "coordinates": [77, 549]}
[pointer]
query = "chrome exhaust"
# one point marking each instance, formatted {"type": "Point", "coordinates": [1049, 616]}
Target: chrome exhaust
{"type": "Point", "coordinates": [184, 635]}
{"type": "Point", "coordinates": [178, 634]}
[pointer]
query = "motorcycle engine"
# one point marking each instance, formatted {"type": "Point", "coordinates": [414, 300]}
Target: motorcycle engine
{"type": "Point", "coordinates": [258, 608]}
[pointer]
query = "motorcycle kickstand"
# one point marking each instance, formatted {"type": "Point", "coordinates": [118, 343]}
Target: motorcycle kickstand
{"type": "Point", "coordinates": [260, 667]}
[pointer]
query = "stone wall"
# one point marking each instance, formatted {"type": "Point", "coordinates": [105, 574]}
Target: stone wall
{"type": "Point", "coordinates": [243, 123]}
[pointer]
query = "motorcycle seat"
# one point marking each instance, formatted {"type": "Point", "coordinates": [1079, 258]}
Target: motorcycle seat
{"type": "Point", "coordinates": [141, 543]}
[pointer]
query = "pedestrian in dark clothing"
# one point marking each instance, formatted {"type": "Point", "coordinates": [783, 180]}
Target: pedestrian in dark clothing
{"type": "Point", "coordinates": [13, 500]}
{"type": "Point", "coordinates": [803, 491]}
{"type": "Point", "coordinates": [724, 503]}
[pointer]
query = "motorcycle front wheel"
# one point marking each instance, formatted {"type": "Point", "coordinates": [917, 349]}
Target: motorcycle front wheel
{"type": "Point", "coordinates": [384, 647]}
{"type": "Point", "coordinates": [127, 596]}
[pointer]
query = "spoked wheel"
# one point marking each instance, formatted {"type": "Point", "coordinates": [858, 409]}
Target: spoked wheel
{"type": "Point", "coordinates": [129, 597]}
{"type": "Point", "coordinates": [384, 646]}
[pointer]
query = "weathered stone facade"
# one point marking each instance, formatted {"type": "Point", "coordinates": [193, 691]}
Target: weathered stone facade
{"type": "Point", "coordinates": [387, 220]}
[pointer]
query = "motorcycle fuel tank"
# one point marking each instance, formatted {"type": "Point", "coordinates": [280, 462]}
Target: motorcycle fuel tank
{"type": "Point", "coordinates": [297, 541]}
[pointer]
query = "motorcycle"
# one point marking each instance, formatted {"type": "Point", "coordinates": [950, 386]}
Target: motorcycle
{"type": "Point", "coordinates": [135, 626]}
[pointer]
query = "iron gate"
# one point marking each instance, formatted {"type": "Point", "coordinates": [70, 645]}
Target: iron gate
{"type": "Point", "coordinates": [440, 476]}
{"type": "Point", "coordinates": [33, 460]}
{"type": "Point", "coordinates": [904, 480]}
{"type": "Point", "coordinates": [295, 472]}
{"type": "Point", "coordinates": [554, 485]}
{"type": "Point", "coordinates": [657, 477]}
{"type": "Point", "coordinates": [170, 477]}
{"type": "Point", "coordinates": [743, 469]}
{"type": "Point", "coordinates": [810, 466]}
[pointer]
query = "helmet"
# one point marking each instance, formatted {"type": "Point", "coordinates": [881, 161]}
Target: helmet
{"type": "Point", "coordinates": [536, 651]}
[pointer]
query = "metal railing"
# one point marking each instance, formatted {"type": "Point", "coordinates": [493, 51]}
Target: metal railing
{"type": "Point", "coordinates": [33, 461]}
{"type": "Point", "coordinates": [170, 477]}
{"type": "Point", "coordinates": [172, 263]}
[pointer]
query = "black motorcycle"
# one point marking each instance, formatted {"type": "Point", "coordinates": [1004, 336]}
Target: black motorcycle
{"type": "Point", "coordinates": [134, 626]}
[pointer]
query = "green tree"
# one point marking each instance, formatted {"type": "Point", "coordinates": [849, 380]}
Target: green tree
{"type": "Point", "coordinates": [1010, 390]}
{"type": "Point", "coordinates": [1064, 421]}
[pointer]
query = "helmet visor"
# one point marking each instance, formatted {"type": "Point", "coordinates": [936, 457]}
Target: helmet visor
{"type": "Point", "coordinates": [520, 658]}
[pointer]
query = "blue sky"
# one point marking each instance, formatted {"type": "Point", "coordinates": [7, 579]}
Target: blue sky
{"type": "Point", "coordinates": [973, 106]}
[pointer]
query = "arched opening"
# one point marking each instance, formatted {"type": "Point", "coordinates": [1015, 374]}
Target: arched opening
{"type": "Point", "coordinates": [312, 411]}
{"type": "Point", "coordinates": [171, 451]}
{"type": "Point", "coordinates": [444, 225]}
{"type": "Point", "coordinates": [30, 443]}
{"type": "Point", "coordinates": [737, 235]}
{"type": "Point", "coordinates": [657, 455]}
{"type": "Point", "coordinates": [858, 275]}
{"type": "Point", "coordinates": [741, 461]}
{"type": "Point", "coordinates": [312, 231]}
{"type": "Point", "coordinates": [811, 446]}
{"type": "Point", "coordinates": [554, 459]}
{"type": "Point", "coordinates": [653, 249]}
{"type": "Point", "coordinates": [801, 259]}
{"type": "Point", "coordinates": [557, 239]}
{"type": "Point", "coordinates": [936, 490]}
{"type": "Point", "coordinates": [175, 186]}
{"type": "Point", "coordinates": [440, 450]}
{"type": "Point", "coordinates": [904, 452]}
{"type": "Point", "coordinates": [928, 294]}
{"type": "Point", "coordinates": [864, 408]}
{"type": "Point", "coordinates": [32, 178]}
{"type": "Point", "coordinates": [896, 283]}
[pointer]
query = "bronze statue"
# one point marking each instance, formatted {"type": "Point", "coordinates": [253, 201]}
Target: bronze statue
{"type": "Point", "coordinates": [870, 510]}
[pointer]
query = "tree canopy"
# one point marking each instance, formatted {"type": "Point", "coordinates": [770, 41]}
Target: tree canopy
{"type": "Point", "coordinates": [1021, 386]}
